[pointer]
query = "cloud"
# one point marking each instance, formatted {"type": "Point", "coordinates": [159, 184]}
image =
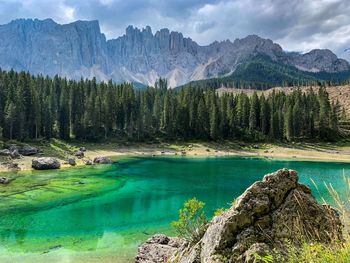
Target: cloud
{"type": "Point", "coordinates": [298, 25]}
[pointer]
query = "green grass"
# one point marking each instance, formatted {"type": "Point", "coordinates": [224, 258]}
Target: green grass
{"type": "Point", "coordinates": [319, 253]}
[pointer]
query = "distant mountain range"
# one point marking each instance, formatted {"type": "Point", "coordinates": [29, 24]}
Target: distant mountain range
{"type": "Point", "coordinates": [79, 49]}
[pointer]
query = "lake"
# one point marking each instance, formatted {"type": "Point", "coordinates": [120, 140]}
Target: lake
{"type": "Point", "coordinates": [102, 213]}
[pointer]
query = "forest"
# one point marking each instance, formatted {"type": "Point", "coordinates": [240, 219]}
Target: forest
{"type": "Point", "coordinates": [33, 107]}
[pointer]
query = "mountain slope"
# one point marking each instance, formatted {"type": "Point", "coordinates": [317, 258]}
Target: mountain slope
{"type": "Point", "coordinates": [261, 72]}
{"type": "Point", "coordinates": [79, 49]}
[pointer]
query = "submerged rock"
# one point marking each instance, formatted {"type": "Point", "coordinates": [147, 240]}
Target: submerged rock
{"type": "Point", "coordinates": [102, 160]}
{"type": "Point", "coordinates": [45, 163]}
{"type": "Point", "coordinates": [4, 180]}
{"type": "Point", "coordinates": [269, 213]}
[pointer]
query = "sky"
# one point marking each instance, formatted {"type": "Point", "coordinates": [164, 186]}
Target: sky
{"type": "Point", "coordinates": [297, 25]}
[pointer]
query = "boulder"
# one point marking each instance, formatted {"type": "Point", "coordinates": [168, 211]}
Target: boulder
{"type": "Point", "coordinates": [15, 154]}
{"type": "Point", "coordinates": [13, 147]}
{"type": "Point", "coordinates": [45, 163]}
{"type": "Point", "coordinates": [268, 217]}
{"type": "Point", "coordinates": [88, 162]}
{"type": "Point", "coordinates": [102, 160]}
{"type": "Point", "coordinates": [4, 180]}
{"type": "Point", "coordinates": [79, 154]}
{"type": "Point", "coordinates": [71, 161]}
{"type": "Point", "coordinates": [28, 150]}
{"type": "Point", "coordinates": [158, 249]}
{"type": "Point", "coordinates": [5, 152]}
{"type": "Point", "coordinates": [82, 149]}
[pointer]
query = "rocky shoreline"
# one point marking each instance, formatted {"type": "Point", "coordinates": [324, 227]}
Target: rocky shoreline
{"type": "Point", "coordinates": [268, 217]}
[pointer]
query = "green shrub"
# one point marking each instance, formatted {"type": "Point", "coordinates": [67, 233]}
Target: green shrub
{"type": "Point", "coordinates": [263, 259]}
{"type": "Point", "coordinates": [320, 253]}
{"type": "Point", "coordinates": [192, 221]}
{"type": "Point", "coordinates": [219, 211]}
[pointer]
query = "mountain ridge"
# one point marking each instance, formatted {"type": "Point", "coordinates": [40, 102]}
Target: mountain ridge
{"type": "Point", "coordinates": [80, 49]}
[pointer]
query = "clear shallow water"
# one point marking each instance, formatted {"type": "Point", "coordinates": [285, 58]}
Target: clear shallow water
{"type": "Point", "coordinates": [101, 214]}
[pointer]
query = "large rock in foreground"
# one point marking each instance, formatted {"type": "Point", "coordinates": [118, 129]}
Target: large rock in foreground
{"type": "Point", "coordinates": [45, 163]}
{"type": "Point", "coordinates": [269, 213]}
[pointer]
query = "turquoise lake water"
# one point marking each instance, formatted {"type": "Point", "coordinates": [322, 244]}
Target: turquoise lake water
{"type": "Point", "coordinates": [121, 205]}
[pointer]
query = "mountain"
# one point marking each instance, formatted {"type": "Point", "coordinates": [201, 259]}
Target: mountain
{"type": "Point", "coordinates": [79, 49]}
{"type": "Point", "coordinates": [261, 72]}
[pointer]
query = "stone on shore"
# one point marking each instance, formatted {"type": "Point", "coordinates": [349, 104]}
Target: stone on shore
{"type": "Point", "coordinates": [82, 149]}
{"type": "Point", "coordinates": [102, 160]}
{"type": "Point", "coordinates": [45, 163]}
{"type": "Point", "coordinates": [15, 154]}
{"type": "Point", "coordinates": [71, 161]}
{"type": "Point", "coordinates": [79, 154]}
{"type": "Point", "coordinates": [88, 162]}
{"type": "Point", "coordinates": [5, 152]}
{"type": "Point", "coordinates": [28, 150]}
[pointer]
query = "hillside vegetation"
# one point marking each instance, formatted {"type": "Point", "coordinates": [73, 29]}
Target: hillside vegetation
{"type": "Point", "coordinates": [262, 73]}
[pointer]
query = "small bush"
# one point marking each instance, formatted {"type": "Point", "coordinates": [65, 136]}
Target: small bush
{"type": "Point", "coordinates": [263, 259]}
{"type": "Point", "coordinates": [219, 211]}
{"type": "Point", "coordinates": [192, 221]}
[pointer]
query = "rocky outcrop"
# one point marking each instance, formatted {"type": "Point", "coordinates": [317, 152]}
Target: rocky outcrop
{"type": "Point", "coordinates": [45, 163]}
{"type": "Point", "coordinates": [102, 160]}
{"type": "Point", "coordinates": [79, 49]}
{"type": "Point", "coordinates": [268, 214]}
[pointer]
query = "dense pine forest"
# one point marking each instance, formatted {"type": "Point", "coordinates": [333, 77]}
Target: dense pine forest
{"type": "Point", "coordinates": [42, 107]}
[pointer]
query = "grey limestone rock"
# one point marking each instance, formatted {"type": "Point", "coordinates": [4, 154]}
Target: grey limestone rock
{"type": "Point", "coordinates": [45, 163]}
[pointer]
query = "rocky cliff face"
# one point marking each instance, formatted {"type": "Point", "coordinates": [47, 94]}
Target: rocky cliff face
{"type": "Point", "coordinates": [80, 49]}
{"type": "Point", "coordinates": [269, 213]}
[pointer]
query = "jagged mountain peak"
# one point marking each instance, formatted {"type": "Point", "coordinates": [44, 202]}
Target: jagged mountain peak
{"type": "Point", "coordinates": [79, 49]}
